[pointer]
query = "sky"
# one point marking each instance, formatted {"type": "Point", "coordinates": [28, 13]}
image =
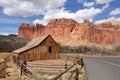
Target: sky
{"type": "Point", "coordinates": [15, 12]}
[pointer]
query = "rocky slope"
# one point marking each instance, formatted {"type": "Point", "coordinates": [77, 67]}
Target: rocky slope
{"type": "Point", "coordinates": [70, 32]}
{"type": "Point", "coordinates": [10, 43]}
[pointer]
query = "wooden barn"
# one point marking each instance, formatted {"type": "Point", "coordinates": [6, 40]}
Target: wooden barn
{"type": "Point", "coordinates": [42, 48]}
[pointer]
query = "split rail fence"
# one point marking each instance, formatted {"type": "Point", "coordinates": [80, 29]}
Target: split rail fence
{"type": "Point", "coordinates": [25, 70]}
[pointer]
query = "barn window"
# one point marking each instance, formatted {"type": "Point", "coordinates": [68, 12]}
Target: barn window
{"type": "Point", "coordinates": [50, 49]}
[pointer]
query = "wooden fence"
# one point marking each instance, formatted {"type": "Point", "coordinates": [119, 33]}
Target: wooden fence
{"type": "Point", "coordinates": [80, 62]}
{"type": "Point", "coordinates": [24, 69]}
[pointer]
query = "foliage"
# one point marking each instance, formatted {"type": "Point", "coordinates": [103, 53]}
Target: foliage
{"type": "Point", "coordinates": [116, 47]}
{"type": "Point", "coordinates": [10, 43]}
{"type": "Point", "coordinates": [83, 49]}
{"type": "Point", "coordinates": [90, 49]}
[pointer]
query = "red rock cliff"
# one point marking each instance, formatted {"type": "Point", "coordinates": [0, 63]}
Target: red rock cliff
{"type": "Point", "coordinates": [69, 32]}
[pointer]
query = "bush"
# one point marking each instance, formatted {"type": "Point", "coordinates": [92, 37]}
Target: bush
{"type": "Point", "coordinates": [65, 49]}
{"type": "Point", "coordinates": [116, 47]}
{"type": "Point", "coordinates": [82, 49]}
{"type": "Point", "coordinates": [97, 49]}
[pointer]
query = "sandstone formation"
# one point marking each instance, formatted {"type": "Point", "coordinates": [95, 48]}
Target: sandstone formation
{"type": "Point", "coordinates": [70, 32]}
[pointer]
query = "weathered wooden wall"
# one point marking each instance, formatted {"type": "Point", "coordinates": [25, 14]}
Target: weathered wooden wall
{"type": "Point", "coordinates": [41, 52]}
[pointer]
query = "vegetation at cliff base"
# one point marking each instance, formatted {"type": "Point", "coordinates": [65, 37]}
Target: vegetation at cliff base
{"type": "Point", "coordinates": [90, 49]}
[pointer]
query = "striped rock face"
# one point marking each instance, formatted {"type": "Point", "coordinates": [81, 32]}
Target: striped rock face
{"type": "Point", "coordinates": [70, 32]}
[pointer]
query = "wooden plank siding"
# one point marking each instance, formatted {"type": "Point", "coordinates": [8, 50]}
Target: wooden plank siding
{"type": "Point", "coordinates": [41, 52]}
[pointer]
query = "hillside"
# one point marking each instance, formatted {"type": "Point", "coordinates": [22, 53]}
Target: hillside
{"type": "Point", "coordinates": [10, 43]}
{"type": "Point", "coordinates": [69, 32]}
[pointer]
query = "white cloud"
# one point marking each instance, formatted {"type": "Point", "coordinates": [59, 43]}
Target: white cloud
{"type": "Point", "coordinates": [79, 15]}
{"type": "Point", "coordinates": [88, 4]}
{"type": "Point", "coordinates": [7, 33]}
{"type": "Point", "coordinates": [50, 9]}
{"type": "Point", "coordinates": [53, 14]}
{"type": "Point", "coordinates": [29, 7]}
{"type": "Point", "coordinates": [39, 22]}
{"type": "Point", "coordinates": [105, 6]}
{"type": "Point", "coordinates": [4, 33]}
{"type": "Point", "coordinates": [103, 1]}
{"type": "Point", "coordinates": [115, 11]}
{"type": "Point", "coordinates": [112, 18]}
{"type": "Point", "coordinates": [87, 13]}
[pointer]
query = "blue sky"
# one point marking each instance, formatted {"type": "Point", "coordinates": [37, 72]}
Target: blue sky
{"type": "Point", "coordinates": [15, 12]}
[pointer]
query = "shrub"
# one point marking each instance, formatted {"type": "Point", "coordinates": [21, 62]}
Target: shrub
{"type": "Point", "coordinates": [97, 49]}
{"type": "Point", "coordinates": [82, 49]}
{"type": "Point", "coordinates": [116, 47]}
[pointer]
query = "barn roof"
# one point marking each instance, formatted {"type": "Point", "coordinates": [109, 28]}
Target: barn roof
{"type": "Point", "coordinates": [33, 43]}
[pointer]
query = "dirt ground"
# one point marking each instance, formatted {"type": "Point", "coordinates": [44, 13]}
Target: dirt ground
{"type": "Point", "coordinates": [53, 62]}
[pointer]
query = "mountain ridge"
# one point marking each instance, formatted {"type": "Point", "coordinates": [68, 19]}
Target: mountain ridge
{"type": "Point", "coordinates": [69, 32]}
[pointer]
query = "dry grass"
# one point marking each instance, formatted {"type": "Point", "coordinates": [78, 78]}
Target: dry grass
{"type": "Point", "coordinates": [5, 54]}
{"type": "Point", "coordinates": [16, 78]}
{"type": "Point", "coordinates": [53, 62]}
{"type": "Point", "coordinates": [8, 70]}
{"type": "Point", "coordinates": [74, 55]}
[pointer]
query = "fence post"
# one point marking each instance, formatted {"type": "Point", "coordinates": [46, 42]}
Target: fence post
{"type": "Point", "coordinates": [21, 69]}
{"type": "Point", "coordinates": [65, 63]}
{"type": "Point", "coordinates": [80, 62]}
{"type": "Point", "coordinates": [24, 63]}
